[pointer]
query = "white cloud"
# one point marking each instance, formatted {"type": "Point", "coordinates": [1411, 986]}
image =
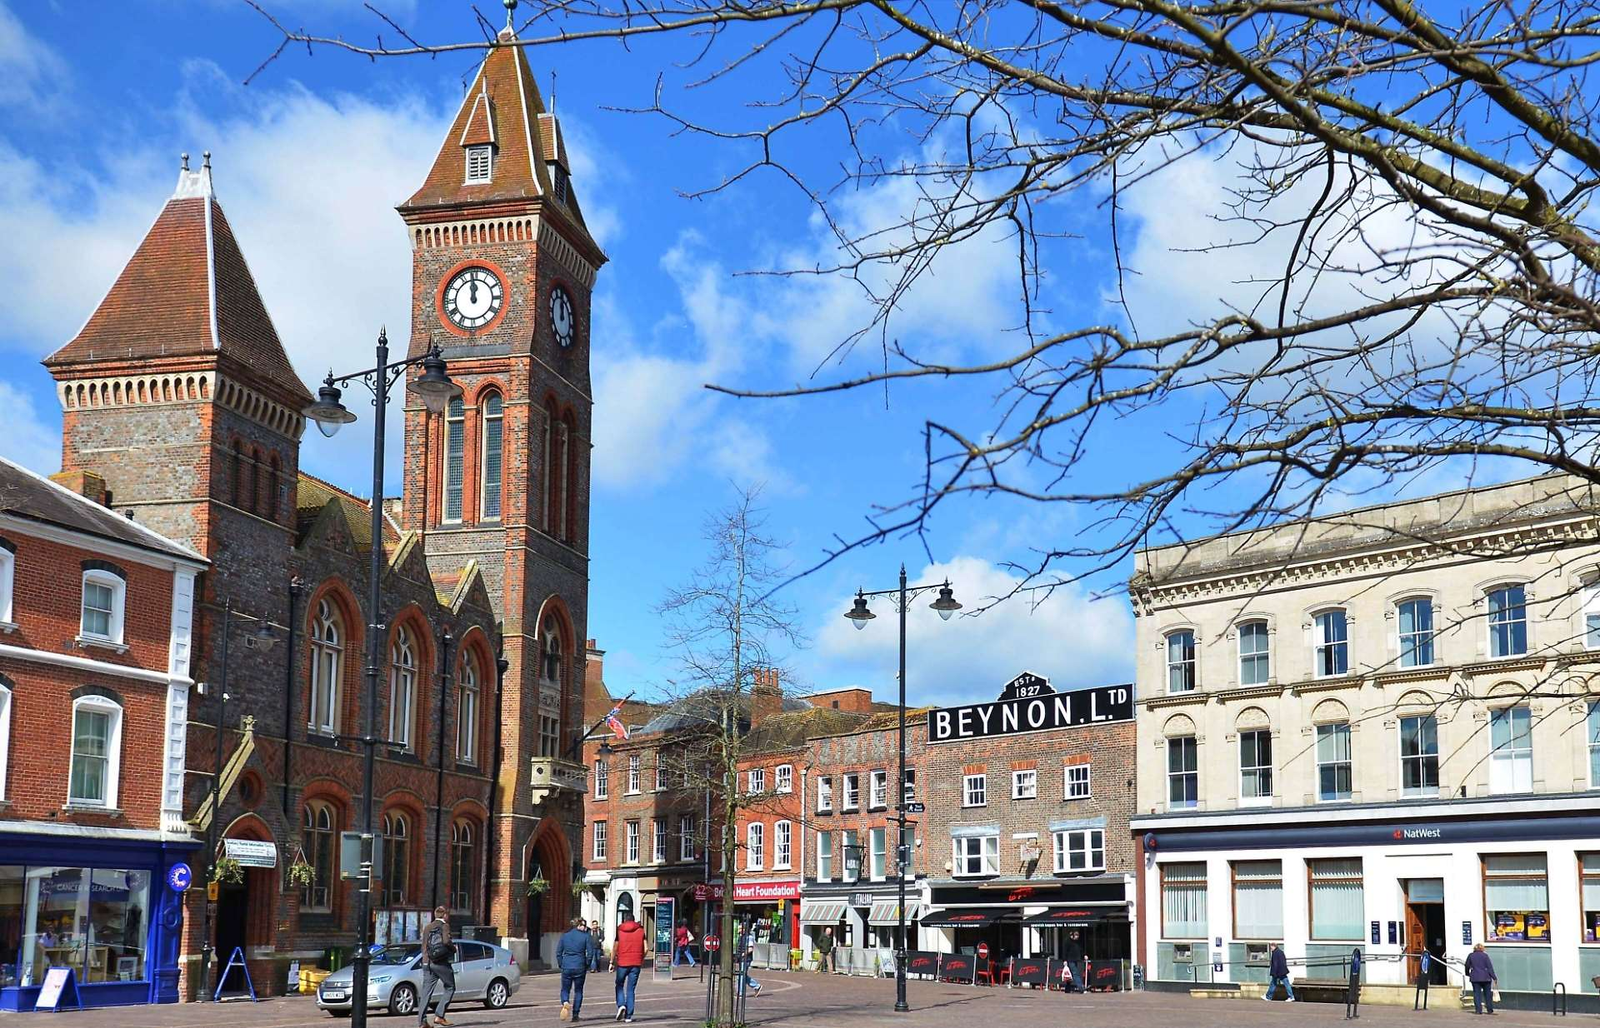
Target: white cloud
{"type": "Point", "coordinates": [1068, 638]}
{"type": "Point", "coordinates": [29, 439]}
{"type": "Point", "coordinates": [32, 75]}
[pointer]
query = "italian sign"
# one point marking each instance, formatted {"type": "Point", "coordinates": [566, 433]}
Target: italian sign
{"type": "Point", "coordinates": [1029, 703]}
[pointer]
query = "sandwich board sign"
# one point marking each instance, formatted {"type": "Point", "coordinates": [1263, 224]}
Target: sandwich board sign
{"type": "Point", "coordinates": [59, 983]}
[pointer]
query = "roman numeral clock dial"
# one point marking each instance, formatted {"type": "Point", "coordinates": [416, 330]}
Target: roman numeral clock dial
{"type": "Point", "coordinates": [473, 297]}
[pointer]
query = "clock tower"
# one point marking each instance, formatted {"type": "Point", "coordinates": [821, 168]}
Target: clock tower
{"type": "Point", "coordinates": [502, 269]}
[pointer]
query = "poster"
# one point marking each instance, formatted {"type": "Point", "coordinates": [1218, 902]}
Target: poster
{"type": "Point", "coordinates": [666, 921]}
{"type": "Point", "coordinates": [1518, 926]}
{"type": "Point", "coordinates": [380, 928]}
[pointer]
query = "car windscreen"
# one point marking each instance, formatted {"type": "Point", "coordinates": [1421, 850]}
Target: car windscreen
{"type": "Point", "coordinates": [397, 954]}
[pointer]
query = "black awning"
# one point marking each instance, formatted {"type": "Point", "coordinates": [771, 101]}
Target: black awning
{"type": "Point", "coordinates": [1074, 917]}
{"type": "Point", "coordinates": [966, 917]}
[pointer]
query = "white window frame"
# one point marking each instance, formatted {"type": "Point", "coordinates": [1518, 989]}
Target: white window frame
{"type": "Point", "coordinates": [825, 794]}
{"type": "Point", "coordinates": [661, 772]}
{"type": "Point", "coordinates": [908, 786]}
{"type": "Point", "coordinates": [633, 774]}
{"type": "Point", "coordinates": [1025, 784]}
{"type": "Point", "coordinates": [755, 844]}
{"type": "Point", "coordinates": [1591, 728]}
{"type": "Point", "coordinates": [1329, 653]}
{"type": "Point", "coordinates": [402, 688]}
{"type": "Point", "coordinates": [824, 856]}
{"type": "Point", "coordinates": [8, 583]}
{"type": "Point", "coordinates": [1240, 655]}
{"type": "Point", "coordinates": [5, 736]}
{"type": "Point", "coordinates": [119, 594]}
{"type": "Point", "coordinates": [1420, 639]}
{"type": "Point", "coordinates": [1518, 759]}
{"type": "Point", "coordinates": [483, 155]}
{"type": "Point", "coordinates": [1090, 842]}
{"type": "Point", "coordinates": [630, 854]}
{"type": "Point", "coordinates": [1490, 623]}
{"type": "Point", "coordinates": [878, 794]}
{"type": "Point", "coordinates": [1183, 773]}
{"type": "Point", "coordinates": [756, 781]}
{"type": "Point", "coordinates": [783, 778]}
{"type": "Point", "coordinates": [468, 695]}
{"type": "Point", "coordinates": [686, 837]}
{"type": "Point", "coordinates": [113, 755]}
{"type": "Point", "coordinates": [1348, 761]}
{"type": "Point", "coordinates": [1257, 801]}
{"type": "Point", "coordinates": [598, 844]}
{"type": "Point", "coordinates": [1186, 667]}
{"type": "Point", "coordinates": [327, 669]}
{"type": "Point", "coordinates": [986, 852]}
{"type": "Point", "coordinates": [1085, 781]}
{"type": "Point", "coordinates": [1420, 757]}
{"type": "Point", "coordinates": [782, 845]}
{"type": "Point", "coordinates": [877, 853]}
{"type": "Point", "coordinates": [975, 790]}
{"type": "Point", "coordinates": [658, 841]}
{"type": "Point", "coordinates": [852, 791]}
{"type": "Point", "coordinates": [602, 779]}
{"type": "Point", "coordinates": [1589, 614]}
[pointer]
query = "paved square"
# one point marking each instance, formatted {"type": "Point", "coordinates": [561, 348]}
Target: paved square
{"type": "Point", "coordinates": [809, 1001]}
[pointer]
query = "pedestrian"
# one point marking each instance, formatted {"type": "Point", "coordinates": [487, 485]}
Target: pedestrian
{"type": "Point", "coordinates": [1074, 960]}
{"type": "Point", "coordinates": [1278, 971]}
{"type": "Point", "coordinates": [575, 955]}
{"type": "Point", "coordinates": [1352, 999]}
{"type": "Point", "coordinates": [627, 953]}
{"type": "Point", "coordinates": [438, 953]}
{"type": "Point", "coordinates": [746, 955]}
{"type": "Point", "coordinates": [682, 939]}
{"type": "Point", "coordinates": [824, 950]}
{"type": "Point", "coordinates": [1480, 972]}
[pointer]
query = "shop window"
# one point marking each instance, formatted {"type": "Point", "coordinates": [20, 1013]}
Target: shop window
{"type": "Point", "coordinates": [1589, 872]}
{"type": "Point", "coordinates": [658, 841]}
{"type": "Point", "coordinates": [631, 855]}
{"type": "Point", "coordinates": [1255, 767]}
{"type": "Point", "coordinates": [825, 795]}
{"type": "Point", "coordinates": [1183, 773]}
{"type": "Point", "coordinates": [686, 837]}
{"type": "Point", "coordinates": [1180, 661]}
{"type": "Point", "coordinates": [1183, 901]}
{"type": "Point", "coordinates": [878, 798]}
{"type": "Point", "coordinates": [93, 920]}
{"type": "Point", "coordinates": [633, 773]}
{"type": "Point", "coordinates": [783, 778]}
{"type": "Point", "coordinates": [824, 856]}
{"type": "Point", "coordinates": [975, 791]}
{"type": "Point", "coordinates": [1511, 754]}
{"type": "Point", "coordinates": [1416, 631]}
{"type": "Point", "coordinates": [1333, 644]}
{"type": "Point", "coordinates": [602, 780]}
{"type": "Point", "coordinates": [1419, 756]}
{"type": "Point", "coordinates": [317, 837]}
{"type": "Point", "coordinates": [877, 848]}
{"type": "Point", "coordinates": [1516, 897]}
{"type": "Point", "coordinates": [782, 833]}
{"type": "Point", "coordinates": [1079, 850]}
{"type": "Point", "coordinates": [599, 847]}
{"type": "Point", "coordinates": [1508, 621]}
{"type": "Point", "coordinates": [977, 855]}
{"type": "Point", "coordinates": [1258, 899]}
{"type": "Point", "coordinates": [1337, 911]}
{"type": "Point", "coordinates": [1333, 762]}
{"type": "Point", "coordinates": [1255, 661]}
{"type": "Point", "coordinates": [1077, 778]}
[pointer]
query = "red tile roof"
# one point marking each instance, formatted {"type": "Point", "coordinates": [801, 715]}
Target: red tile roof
{"type": "Point", "coordinates": [187, 291]}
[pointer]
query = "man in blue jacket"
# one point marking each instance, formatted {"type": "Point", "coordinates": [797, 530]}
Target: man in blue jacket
{"type": "Point", "coordinates": [1278, 971]}
{"type": "Point", "coordinates": [576, 952]}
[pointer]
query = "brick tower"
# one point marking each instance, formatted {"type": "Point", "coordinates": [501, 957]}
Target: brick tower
{"type": "Point", "coordinates": [502, 268]}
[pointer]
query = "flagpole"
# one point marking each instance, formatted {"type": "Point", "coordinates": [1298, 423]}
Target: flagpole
{"type": "Point", "coordinates": [573, 750]}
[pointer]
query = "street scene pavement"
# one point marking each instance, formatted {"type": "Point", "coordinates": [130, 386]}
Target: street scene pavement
{"type": "Point", "coordinates": [809, 1000]}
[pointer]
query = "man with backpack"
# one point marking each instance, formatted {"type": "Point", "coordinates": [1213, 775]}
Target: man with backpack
{"type": "Point", "coordinates": [438, 952]}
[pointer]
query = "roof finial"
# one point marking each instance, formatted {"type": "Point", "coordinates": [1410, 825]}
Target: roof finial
{"type": "Point", "coordinates": [510, 31]}
{"type": "Point", "coordinates": [185, 161]}
{"type": "Point", "coordinates": [552, 91]}
{"type": "Point", "coordinates": [207, 155]}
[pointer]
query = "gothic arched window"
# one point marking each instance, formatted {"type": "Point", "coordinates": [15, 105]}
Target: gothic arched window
{"type": "Point", "coordinates": [492, 463]}
{"type": "Point", "coordinates": [455, 457]}
{"type": "Point", "coordinates": [327, 665]}
{"type": "Point", "coordinates": [402, 688]}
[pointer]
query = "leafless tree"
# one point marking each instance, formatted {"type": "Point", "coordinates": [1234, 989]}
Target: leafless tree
{"type": "Point", "coordinates": [1424, 175]}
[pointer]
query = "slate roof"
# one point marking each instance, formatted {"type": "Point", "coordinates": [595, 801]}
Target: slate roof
{"type": "Point", "coordinates": [314, 495]}
{"type": "Point", "coordinates": [187, 291]}
{"type": "Point", "coordinates": [32, 497]}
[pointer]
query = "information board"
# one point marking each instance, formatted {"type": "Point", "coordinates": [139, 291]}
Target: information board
{"type": "Point", "coordinates": [666, 922]}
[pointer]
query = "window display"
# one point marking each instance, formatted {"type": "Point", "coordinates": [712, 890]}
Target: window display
{"type": "Point", "coordinates": [94, 920]}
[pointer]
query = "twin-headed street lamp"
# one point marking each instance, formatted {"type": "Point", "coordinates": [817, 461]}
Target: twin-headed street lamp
{"type": "Point", "coordinates": [859, 614]}
{"type": "Point", "coordinates": [436, 390]}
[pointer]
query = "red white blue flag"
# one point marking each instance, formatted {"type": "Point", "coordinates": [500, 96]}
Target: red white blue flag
{"type": "Point", "coordinates": [618, 729]}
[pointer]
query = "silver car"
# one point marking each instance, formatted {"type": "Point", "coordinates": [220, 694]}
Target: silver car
{"type": "Point", "coordinates": [394, 980]}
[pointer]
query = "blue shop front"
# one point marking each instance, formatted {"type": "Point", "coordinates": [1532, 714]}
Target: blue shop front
{"type": "Point", "coordinates": [98, 902]}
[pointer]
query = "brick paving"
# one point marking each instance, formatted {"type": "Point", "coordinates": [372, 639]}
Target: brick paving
{"type": "Point", "coordinates": [806, 1001]}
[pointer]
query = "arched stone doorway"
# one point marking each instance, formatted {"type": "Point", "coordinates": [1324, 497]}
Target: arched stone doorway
{"type": "Point", "coordinates": [244, 917]}
{"type": "Point", "coordinates": [547, 911]}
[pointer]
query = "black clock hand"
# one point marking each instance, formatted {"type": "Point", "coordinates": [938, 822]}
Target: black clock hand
{"type": "Point", "coordinates": [472, 286]}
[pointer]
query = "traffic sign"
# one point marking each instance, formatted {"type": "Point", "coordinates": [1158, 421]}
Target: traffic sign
{"type": "Point", "coordinates": [180, 877]}
{"type": "Point", "coordinates": [713, 943]}
{"type": "Point", "coordinates": [914, 808]}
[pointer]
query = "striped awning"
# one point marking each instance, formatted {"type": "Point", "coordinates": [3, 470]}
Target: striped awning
{"type": "Point", "coordinates": [885, 913]}
{"type": "Point", "coordinates": [821, 913]}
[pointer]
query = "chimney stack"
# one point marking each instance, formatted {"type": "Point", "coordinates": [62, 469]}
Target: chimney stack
{"type": "Point", "coordinates": [84, 483]}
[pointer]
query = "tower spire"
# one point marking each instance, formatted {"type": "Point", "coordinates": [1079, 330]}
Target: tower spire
{"type": "Point", "coordinates": [510, 31]}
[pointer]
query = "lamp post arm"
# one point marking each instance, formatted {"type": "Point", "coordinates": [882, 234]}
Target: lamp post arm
{"type": "Point", "coordinates": [387, 373]}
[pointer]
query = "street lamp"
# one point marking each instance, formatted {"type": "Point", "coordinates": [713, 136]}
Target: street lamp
{"type": "Point", "coordinates": [859, 614]}
{"type": "Point", "coordinates": [262, 639]}
{"type": "Point", "coordinates": [435, 389]}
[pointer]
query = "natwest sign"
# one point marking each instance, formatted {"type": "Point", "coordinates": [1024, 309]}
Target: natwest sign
{"type": "Point", "coordinates": [750, 892]}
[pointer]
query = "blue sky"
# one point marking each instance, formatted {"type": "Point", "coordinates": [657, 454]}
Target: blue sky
{"type": "Point", "coordinates": [97, 101]}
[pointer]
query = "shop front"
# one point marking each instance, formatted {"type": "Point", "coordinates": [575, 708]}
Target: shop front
{"type": "Point", "coordinates": [1068, 919]}
{"type": "Point", "coordinates": [769, 910]}
{"type": "Point", "coordinates": [98, 904]}
{"type": "Point", "coordinates": [864, 919]}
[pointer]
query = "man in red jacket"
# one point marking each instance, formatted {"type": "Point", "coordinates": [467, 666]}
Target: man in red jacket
{"type": "Point", "coordinates": [627, 953]}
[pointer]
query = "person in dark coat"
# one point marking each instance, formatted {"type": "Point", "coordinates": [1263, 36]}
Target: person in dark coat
{"type": "Point", "coordinates": [1480, 972]}
{"type": "Point", "coordinates": [438, 952]}
{"type": "Point", "coordinates": [1074, 958]}
{"type": "Point", "coordinates": [575, 955]}
{"type": "Point", "coordinates": [1352, 1001]}
{"type": "Point", "coordinates": [1278, 971]}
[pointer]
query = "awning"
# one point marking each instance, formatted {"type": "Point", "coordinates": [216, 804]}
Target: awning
{"type": "Point", "coordinates": [885, 913]}
{"type": "Point", "coordinates": [821, 913]}
{"type": "Point", "coordinates": [1074, 917]}
{"type": "Point", "coordinates": [966, 917]}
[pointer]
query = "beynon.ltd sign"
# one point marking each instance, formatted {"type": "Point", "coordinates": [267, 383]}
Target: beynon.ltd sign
{"type": "Point", "coordinates": [1029, 703]}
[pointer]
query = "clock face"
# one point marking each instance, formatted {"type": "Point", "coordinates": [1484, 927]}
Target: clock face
{"type": "Point", "coordinates": [473, 297]}
{"type": "Point", "coordinates": [561, 319]}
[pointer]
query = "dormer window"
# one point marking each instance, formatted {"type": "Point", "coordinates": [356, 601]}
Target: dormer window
{"type": "Point", "coordinates": [480, 163]}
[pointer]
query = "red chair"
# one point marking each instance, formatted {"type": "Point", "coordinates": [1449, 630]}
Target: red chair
{"type": "Point", "coordinates": [984, 972]}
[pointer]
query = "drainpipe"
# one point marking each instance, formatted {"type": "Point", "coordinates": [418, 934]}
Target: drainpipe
{"type": "Point", "coordinates": [438, 793]}
{"type": "Point", "coordinates": [501, 666]}
{"type": "Point", "coordinates": [295, 588]}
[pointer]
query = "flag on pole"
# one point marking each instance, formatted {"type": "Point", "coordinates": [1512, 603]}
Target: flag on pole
{"type": "Point", "coordinates": [614, 722]}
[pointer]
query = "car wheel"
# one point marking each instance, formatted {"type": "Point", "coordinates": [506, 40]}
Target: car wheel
{"type": "Point", "coordinates": [403, 1000]}
{"type": "Point", "coordinates": [499, 994]}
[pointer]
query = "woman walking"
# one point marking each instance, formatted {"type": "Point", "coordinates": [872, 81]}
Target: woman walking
{"type": "Point", "coordinates": [1480, 972]}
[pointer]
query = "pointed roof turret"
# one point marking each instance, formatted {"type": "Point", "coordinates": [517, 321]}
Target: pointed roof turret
{"type": "Point", "coordinates": [186, 291]}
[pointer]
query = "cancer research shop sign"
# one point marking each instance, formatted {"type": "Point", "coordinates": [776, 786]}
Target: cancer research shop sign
{"type": "Point", "coordinates": [1030, 704]}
